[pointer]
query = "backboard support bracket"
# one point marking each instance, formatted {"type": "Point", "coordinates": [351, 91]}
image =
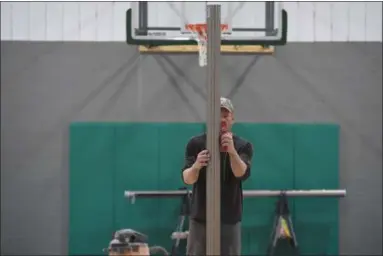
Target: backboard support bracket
{"type": "Point", "coordinates": [142, 19]}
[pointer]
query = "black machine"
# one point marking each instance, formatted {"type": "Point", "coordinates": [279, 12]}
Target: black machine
{"type": "Point", "coordinates": [130, 236]}
{"type": "Point", "coordinates": [126, 239]}
{"type": "Point", "coordinates": [131, 241]}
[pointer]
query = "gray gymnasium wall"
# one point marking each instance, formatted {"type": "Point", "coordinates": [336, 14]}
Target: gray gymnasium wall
{"type": "Point", "coordinates": [45, 86]}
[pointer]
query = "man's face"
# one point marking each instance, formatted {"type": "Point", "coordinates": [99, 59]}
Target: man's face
{"type": "Point", "coordinates": [227, 120]}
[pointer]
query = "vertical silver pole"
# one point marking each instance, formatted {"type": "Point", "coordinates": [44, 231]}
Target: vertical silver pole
{"type": "Point", "coordinates": [213, 183]}
{"type": "Point", "coordinates": [229, 17]}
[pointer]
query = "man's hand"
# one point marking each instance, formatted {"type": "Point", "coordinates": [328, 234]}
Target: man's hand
{"type": "Point", "coordinates": [202, 160]}
{"type": "Point", "coordinates": [190, 175]}
{"type": "Point", "coordinates": [227, 143]}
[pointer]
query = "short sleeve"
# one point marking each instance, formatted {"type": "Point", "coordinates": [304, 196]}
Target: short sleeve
{"type": "Point", "coordinates": [246, 155]}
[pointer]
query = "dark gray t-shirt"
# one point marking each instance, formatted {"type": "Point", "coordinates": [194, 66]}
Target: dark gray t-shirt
{"type": "Point", "coordinates": [231, 186]}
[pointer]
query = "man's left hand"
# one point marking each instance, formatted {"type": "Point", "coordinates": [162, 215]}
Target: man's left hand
{"type": "Point", "coordinates": [227, 142]}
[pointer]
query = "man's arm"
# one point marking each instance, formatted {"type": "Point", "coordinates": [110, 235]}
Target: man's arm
{"type": "Point", "coordinates": [241, 161]}
{"type": "Point", "coordinates": [190, 172]}
{"type": "Point", "coordinates": [190, 175]}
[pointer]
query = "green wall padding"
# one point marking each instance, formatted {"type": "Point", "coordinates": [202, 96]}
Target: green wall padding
{"type": "Point", "coordinates": [108, 158]}
{"type": "Point", "coordinates": [272, 169]}
{"type": "Point", "coordinates": [316, 167]}
{"type": "Point", "coordinates": [92, 161]}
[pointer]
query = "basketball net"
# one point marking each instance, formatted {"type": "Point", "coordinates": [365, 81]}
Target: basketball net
{"type": "Point", "coordinates": [201, 39]}
{"type": "Point", "coordinates": [200, 35]}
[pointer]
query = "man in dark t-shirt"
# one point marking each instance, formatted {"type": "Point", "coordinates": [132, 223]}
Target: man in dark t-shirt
{"type": "Point", "coordinates": [236, 154]}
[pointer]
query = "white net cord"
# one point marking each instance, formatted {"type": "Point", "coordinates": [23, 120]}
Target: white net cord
{"type": "Point", "coordinates": [202, 48]}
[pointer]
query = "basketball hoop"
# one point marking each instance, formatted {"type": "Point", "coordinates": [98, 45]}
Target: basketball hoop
{"type": "Point", "coordinates": [200, 35]}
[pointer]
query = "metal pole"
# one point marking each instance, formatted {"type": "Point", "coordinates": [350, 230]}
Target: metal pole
{"type": "Point", "coordinates": [247, 193]}
{"type": "Point", "coordinates": [213, 175]}
{"type": "Point", "coordinates": [269, 21]}
{"type": "Point", "coordinates": [142, 18]}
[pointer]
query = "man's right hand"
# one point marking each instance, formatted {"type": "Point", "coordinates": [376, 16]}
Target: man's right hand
{"type": "Point", "coordinates": [202, 160]}
{"type": "Point", "coordinates": [190, 175]}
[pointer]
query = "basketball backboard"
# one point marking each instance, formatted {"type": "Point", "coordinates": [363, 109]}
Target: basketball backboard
{"type": "Point", "coordinates": [164, 23]}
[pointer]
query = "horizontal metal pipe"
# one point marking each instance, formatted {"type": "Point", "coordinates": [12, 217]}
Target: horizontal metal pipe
{"type": "Point", "coordinates": [295, 193]}
{"type": "Point", "coordinates": [246, 193]}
